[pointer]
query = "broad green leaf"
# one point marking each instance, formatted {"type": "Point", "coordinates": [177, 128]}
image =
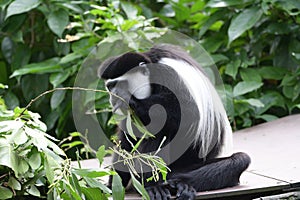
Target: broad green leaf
{"type": "Point", "coordinates": [270, 99]}
{"type": "Point", "coordinates": [21, 56]}
{"type": "Point", "coordinates": [243, 21]}
{"type": "Point", "coordinates": [47, 66]}
{"type": "Point", "coordinates": [19, 137]}
{"type": "Point", "coordinates": [34, 191]}
{"type": "Point", "coordinates": [274, 73]}
{"type": "Point", "coordinates": [227, 3]}
{"type": "Point", "coordinates": [249, 74]}
{"type": "Point", "coordinates": [14, 183]}
{"type": "Point", "coordinates": [232, 68]}
{"type": "Point", "coordinates": [138, 186]}
{"type": "Point", "coordinates": [182, 11]}
{"type": "Point", "coordinates": [56, 98]}
{"type": "Point", "coordinates": [50, 163]}
{"type": "Point", "coordinates": [5, 193]}
{"type": "Point", "coordinates": [57, 21]}
{"type": "Point", "coordinates": [20, 166]}
{"type": "Point", "coordinates": [29, 87]}
{"type": "Point", "coordinates": [91, 173]}
{"type": "Point", "coordinates": [100, 154]}
{"type": "Point", "coordinates": [130, 10]}
{"type": "Point", "coordinates": [6, 153]}
{"type": "Point", "coordinates": [288, 91]}
{"type": "Point", "coordinates": [35, 160]}
{"type": "Point", "coordinates": [70, 58]}
{"type": "Point", "coordinates": [75, 183]}
{"type": "Point", "coordinates": [97, 184]}
{"type": "Point", "coordinates": [211, 20]}
{"type": "Point", "coordinates": [58, 78]}
{"type": "Point", "coordinates": [288, 80]}
{"type": "Point", "coordinates": [267, 117]}
{"type": "Point", "coordinates": [118, 191]}
{"type": "Point", "coordinates": [253, 102]}
{"type": "Point", "coordinates": [93, 193]}
{"type": "Point", "coordinates": [245, 87]}
{"type": "Point", "coordinates": [21, 6]}
{"type": "Point", "coordinates": [11, 99]}
{"type": "Point", "coordinates": [7, 47]}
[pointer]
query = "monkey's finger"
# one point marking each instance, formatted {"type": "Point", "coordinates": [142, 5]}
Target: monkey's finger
{"type": "Point", "coordinates": [165, 194]}
{"type": "Point", "coordinates": [150, 193]}
{"type": "Point", "coordinates": [157, 193]}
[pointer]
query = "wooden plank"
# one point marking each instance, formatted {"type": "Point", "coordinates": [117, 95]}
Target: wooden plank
{"type": "Point", "coordinates": [273, 148]}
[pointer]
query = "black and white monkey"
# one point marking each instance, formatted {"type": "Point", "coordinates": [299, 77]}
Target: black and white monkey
{"type": "Point", "coordinates": [166, 88]}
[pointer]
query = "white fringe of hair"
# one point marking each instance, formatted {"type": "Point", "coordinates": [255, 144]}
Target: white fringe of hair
{"type": "Point", "coordinates": [211, 111]}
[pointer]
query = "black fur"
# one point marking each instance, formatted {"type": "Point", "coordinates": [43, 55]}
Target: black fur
{"type": "Point", "coordinates": [189, 173]}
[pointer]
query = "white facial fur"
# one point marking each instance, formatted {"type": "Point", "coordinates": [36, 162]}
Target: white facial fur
{"type": "Point", "coordinates": [138, 82]}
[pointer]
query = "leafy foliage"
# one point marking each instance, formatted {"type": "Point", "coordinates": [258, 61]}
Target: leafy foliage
{"type": "Point", "coordinates": [30, 163]}
{"type": "Point", "coordinates": [255, 44]}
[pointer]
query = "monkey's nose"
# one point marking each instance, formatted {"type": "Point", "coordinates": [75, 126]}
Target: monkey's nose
{"type": "Point", "coordinates": [110, 84]}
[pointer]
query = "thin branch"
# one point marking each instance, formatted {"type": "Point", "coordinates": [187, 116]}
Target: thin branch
{"type": "Point", "coordinates": [67, 88]}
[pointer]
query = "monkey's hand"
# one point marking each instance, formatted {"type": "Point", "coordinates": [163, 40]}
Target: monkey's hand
{"type": "Point", "coordinates": [158, 192]}
{"type": "Point", "coordinates": [183, 190]}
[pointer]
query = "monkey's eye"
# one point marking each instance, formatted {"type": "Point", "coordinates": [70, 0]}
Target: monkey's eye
{"type": "Point", "coordinates": [142, 64]}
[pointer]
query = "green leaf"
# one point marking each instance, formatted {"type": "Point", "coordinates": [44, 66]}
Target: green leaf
{"type": "Point", "coordinates": [56, 98]}
{"type": "Point", "coordinates": [227, 3]}
{"type": "Point", "coordinates": [118, 191]}
{"type": "Point", "coordinates": [232, 68]}
{"type": "Point", "coordinates": [100, 154]}
{"type": "Point", "coordinates": [5, 193]}
{"type": "Point", "coordinates": [14, 183]}
{"type": "Point", "coordinates": [253, 102]}
{"type": "Point", "coordinates": [21, 6]}
{"type": "Point", "coordinates": [29, 87]}
{"type": "Point", "coordinates": [70, 58]}
{"type": "Point", "coordinates": [138, 186]}
{"type": "Point", "coordinates": [130, 10]}
{"type": "Point", "coordinates": [97, 184]}
{"type": "Point", "coordinates": [47, 66]}
{"type": "Point", "coordinates": [249, 74]}
{"type": "Point", "coordinates": [91, 173]}
{"type": "Point", "coordinates": [57, 21]}
{"type": "Point", "coordinates": [243, 21]}
{"type": "Point", "coordinates": [58, 78]}
{"type": "Point", "coordinates": [93, 193]}
{"type": "Point", "coordinates": [34, 191]}
{"type": "Point", "coordinates": [7, 48]}
{"type": "Point", "coordinates": [267, 117]}
{"type": "Point", "coordinates": [129, 126]}
{"type": "Point", "coordinates": [274, 73]}
{"type": "Point", "coordinates": [245, 87]}
{"type": "Point", "coordinates": [35, 160]}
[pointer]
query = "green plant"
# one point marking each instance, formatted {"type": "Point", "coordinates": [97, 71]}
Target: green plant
{"type": "Point", "coordinates": [255, 44]}
{"type": "Point", "coordinates": [43, 45]}
{"type": "Point", "coordinates": [32, 164]}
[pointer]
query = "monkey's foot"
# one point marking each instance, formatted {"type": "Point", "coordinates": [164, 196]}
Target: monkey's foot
{"type": "Point", "coordinates": [158, 192]}
{"type": "Point", "coordinates": [183, 190]}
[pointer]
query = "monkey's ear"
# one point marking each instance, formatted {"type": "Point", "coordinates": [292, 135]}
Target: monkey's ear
{"type": "Point", "coordinates": [144, 69]}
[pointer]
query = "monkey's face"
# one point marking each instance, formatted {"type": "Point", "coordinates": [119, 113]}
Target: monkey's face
{"type": "Point", "coordinates": [130, 79]}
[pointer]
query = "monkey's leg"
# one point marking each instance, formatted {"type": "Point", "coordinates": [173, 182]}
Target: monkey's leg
{"type": "Point", "coordinates": [224, 172]}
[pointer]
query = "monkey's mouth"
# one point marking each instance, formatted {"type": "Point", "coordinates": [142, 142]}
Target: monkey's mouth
{"type": "Point", "coordinates": [119, 106]}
